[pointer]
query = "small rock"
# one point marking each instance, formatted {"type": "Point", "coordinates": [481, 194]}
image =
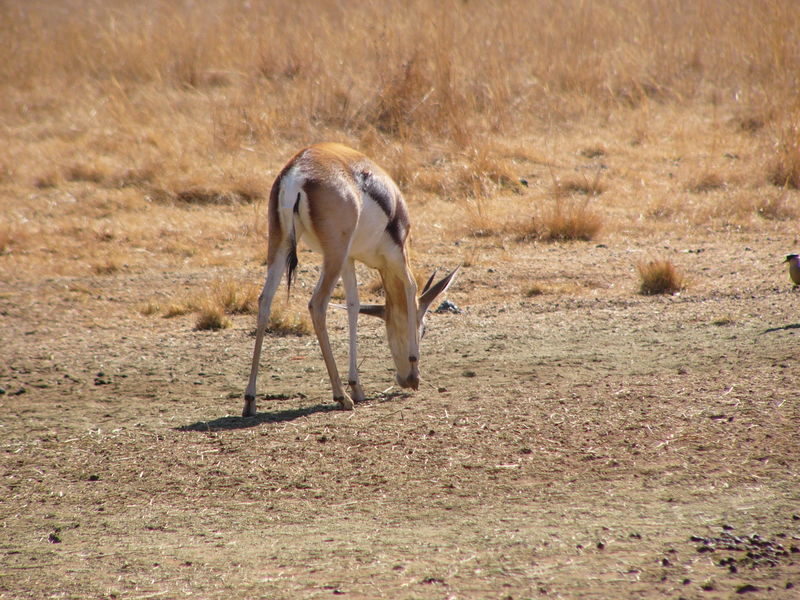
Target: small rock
{"type": "Point", "coordinates": [447, 306]}
{"type": "Point", "coordinates": [747, 587]}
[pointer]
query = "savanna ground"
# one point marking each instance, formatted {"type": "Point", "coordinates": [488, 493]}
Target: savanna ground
{"type": "Point", "coordinates": [572, 437]}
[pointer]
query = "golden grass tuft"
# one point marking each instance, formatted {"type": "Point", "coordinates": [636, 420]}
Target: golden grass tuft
{"type": "Point", "coordinates": [659, 277]}
{"type": "Point", "coordinates": [784, 168]}
{"type": "Point", "coordinates": [12, 237]}
{"type": "Point", "coordinates": [535, 290]}
{"type": "Point", "coordinates": [228, 296]}
{"type": "Point", "coordinates": [706, 181]}
{"type": "Point", "coordinates": [149, 308]}
{"type": "Point", "coordinates": [109, 266]}
{"type": "Point", "coordinates": [85, 172]}
{"type": "Point", "coordinates": [179, 309]}
{"type": "Point", "coordinates": [234, 297]}
{"type": "Point", "coordinates": [724, 320]}
{"type": "Point", "coordinates": [206, 196]}
{"type": "Point", "coordinates": [284, 322]}
{"type": "Point", "coordinates": [778, 208]}
{"type": "Point", "coordinates": [565, 220]}
{"type": "Point", "coordinates": [212, 318]}
{"type": "Point", "coordinates": [580, 185]}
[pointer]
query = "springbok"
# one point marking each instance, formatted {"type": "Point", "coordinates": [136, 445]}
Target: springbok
{"type": "Point", "coordinates": [347, 208]}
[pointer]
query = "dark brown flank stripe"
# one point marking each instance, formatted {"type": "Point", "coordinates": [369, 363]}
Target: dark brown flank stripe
{"type": "Point", "coordinates": [397, 227]}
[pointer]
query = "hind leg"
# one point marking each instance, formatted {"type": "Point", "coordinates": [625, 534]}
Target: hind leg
{"type": "Point", "coordinates": [274, 274]}
{"type": "Point", "coordinates": [318, 307]}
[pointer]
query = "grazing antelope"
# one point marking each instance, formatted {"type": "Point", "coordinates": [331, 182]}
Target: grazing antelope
{"type": "Point", "coordinates": [347, 208]}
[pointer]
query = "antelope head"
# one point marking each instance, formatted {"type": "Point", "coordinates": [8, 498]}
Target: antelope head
{"type": "Point", "coordinates": [395, 315]}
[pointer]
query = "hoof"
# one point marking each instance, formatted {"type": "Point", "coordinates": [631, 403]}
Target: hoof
{"type": "Point", "coordinates": [356, 392]}
{"type": "Point", "coordinates": [345, 403]}
{"type": "Point", "coordinates": [249, 409]}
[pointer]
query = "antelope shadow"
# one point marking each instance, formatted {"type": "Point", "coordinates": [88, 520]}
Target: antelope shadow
{"type": "Point", "coordinates": [782, 328]}
{"type": "Point", "coordinates": [232, 423]}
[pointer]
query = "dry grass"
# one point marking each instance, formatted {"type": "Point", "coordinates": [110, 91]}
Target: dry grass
{"type": "Point", "coordinates": [659, 277]}
{"type": "Point", "coordinates": [212, 318]}
{"type": "Point", "coordinates": [535, 290]}
{"type": "Point", "coordinates": [179, 309]}
{"type": "Point", "coordinates": [563, 220]}
{"type": "Point", "coordinates": [149, 308]}
{"type": "Point", "coordinates": [706, 182]}
{"type": "Point", "coordinates": [234, 297]}
{"type": "Point", "coordinates": [225, 297]}
{"type": "Point", "coordinates": [222, 296]}
{"type": "Point", "coordinates": [110, 265]}
{"type": "Point", "coordinates": [285, 321]}
{"type": "Point", "coordinates": [784, 168]}
{"type": "Point", "coordinates": [155, 129]}
{"type": "Point", "coordinates": [580, 185]}
{"type": "Point", "coordinates": [571, 221]}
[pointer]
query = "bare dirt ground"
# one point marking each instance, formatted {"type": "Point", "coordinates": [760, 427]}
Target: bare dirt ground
{"type": "Point", "coordinates": [593, 444]}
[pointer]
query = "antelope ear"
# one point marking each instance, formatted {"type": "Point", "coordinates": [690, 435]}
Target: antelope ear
{"type": "Point", "coordinates": [431, 291]}
{"type": "Point", "coordinates": [373, 310]}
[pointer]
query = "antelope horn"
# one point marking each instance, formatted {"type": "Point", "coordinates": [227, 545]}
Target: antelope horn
{"type": "Point", "coordinates": [431, 291]}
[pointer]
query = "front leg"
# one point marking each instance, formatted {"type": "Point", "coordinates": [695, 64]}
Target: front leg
{"type": "Point", "coordinates": [351, 294]}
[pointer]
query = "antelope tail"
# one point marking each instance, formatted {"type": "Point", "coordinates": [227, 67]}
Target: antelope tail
{"type": "Point", "coordinates": [291, 257]}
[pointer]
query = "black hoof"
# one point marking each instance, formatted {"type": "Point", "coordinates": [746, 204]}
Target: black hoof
{"type": "Point", "coordinates": [249, 409]}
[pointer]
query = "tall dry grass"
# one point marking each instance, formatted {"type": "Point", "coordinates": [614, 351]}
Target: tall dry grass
{"type": "Point", "coordinates": [120, 108]}
{"type": "Point", "coordinates": [449, 72]}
